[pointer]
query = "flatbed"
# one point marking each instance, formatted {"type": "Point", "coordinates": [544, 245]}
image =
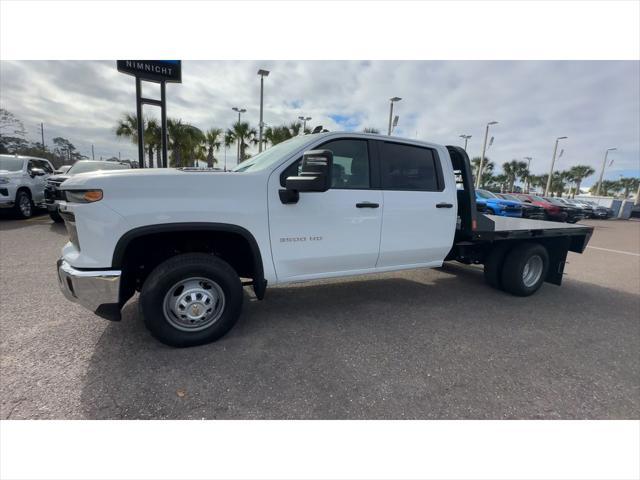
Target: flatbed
{"type": "Point", "coordinates": [487, 239]}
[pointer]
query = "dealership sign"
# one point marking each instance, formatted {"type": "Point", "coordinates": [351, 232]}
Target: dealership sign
{"type": "Point", "coordinates": [153, 70]}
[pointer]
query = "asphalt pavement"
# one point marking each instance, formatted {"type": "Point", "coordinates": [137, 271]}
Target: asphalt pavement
{"type": "Point", "coordinates": [424, 344]}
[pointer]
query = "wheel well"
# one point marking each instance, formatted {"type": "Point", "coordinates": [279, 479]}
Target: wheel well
{"type": "Point", "coordinates": [138, 253]}
{"type": "Point", "coordinates": [24, 189]}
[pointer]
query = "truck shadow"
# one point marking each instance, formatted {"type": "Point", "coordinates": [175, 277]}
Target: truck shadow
{"type": "Point", "coordinates": [429, 344]}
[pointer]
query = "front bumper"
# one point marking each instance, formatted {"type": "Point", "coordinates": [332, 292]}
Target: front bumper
{"type": "Point", "coordinates": [97, 291]}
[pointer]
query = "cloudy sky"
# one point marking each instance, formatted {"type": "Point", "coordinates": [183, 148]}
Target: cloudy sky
{"type": "Point", "coordinates": [595, 103]}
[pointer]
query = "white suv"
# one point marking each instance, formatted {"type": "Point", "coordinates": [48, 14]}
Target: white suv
{"type": "Point", "coordinates": [22, 182]}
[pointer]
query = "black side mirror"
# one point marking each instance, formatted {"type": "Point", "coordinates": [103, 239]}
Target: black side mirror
{"type": "Point", "coordinates": [315, 172]}
{"type": "Point", "coordinates": [36, 172]}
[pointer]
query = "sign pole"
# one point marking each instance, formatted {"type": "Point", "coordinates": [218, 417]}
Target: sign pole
{"type": "Point", "coordinates": [163, 121]}
{"type": "Point", "coordinates": [140, 122]}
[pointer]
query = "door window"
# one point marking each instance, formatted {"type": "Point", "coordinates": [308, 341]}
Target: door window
{"type": "Point", "coordinates": [350, 164]}
{"type": "Point", "coordinates": [407, 167]}
{"type": "Point", "coordinates": [43, 165]}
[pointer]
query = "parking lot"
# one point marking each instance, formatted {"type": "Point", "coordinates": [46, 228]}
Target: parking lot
{"type": "Point", "coordinates": [425, 344]}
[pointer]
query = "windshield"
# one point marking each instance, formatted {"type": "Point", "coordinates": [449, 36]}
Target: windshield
{"type": "Point", "coordinates": [11, 164]}
{"type": "Point", "coordinates": [485, 194]}
{"type": "Point", "coordinates": [83, 167]}
{"type": "Point", "coordinates": [538, 199]}
{"type": "Point", "coordinates": [272, 155]}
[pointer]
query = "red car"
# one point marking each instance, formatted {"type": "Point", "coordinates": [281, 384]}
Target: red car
{"type": "Point", "coordinates": [552, 212]}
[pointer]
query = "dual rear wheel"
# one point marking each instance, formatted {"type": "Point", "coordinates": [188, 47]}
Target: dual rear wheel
{"type": "Point", "coordinates": [520, 270]}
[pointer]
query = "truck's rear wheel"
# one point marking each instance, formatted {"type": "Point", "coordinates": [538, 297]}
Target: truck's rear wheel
{"type": "Point", "coordinates": [524, 269]}
{"type": "Point", "coordinates": [191, 299]}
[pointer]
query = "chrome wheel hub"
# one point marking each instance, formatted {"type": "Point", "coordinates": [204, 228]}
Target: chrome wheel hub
{"type": "Point", "coordinates": [532, 271]}
{"type": "Point", "coordinates": [194, 304]}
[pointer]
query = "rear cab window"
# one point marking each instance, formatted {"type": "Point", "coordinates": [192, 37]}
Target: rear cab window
{"type": "Point", "coordinates": [410, 167]}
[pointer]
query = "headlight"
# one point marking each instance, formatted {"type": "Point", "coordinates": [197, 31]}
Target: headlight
{"type": "Point", "coordinates": [4, 180]}
{"type": "Point", "coordinates": [83, 196]}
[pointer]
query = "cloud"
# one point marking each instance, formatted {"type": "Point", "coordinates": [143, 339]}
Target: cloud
{"type": "Point", "coordinates": [595, 103]}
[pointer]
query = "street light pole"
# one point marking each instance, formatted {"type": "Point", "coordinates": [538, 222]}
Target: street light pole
{"type": "Point", "coordinates": [553, 161]}
{"type": "Point", "coordinates": [240, 112]}
{"type": "Point", "coordinates": [466, 138]}
{"type": "Point", "coordinates": [528, 159]}
{"type": "Point", "coordinates": [484, 149]}
{"type": "Point", "coordinates": [304, 123]}
{"type": "Point", "coordinates": [262, 73]}
{"type": "Point", "coordinates": [392, 100]}
{"type": "Point", "coordinates": [604, 164]}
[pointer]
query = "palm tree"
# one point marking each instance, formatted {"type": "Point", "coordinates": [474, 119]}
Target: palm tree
{"type": "Point", "coordinates": [608, 188]}
{"type": "Point", "coordinates": [513, 170]}
{"type": "Point", "coordinates": [153, 140]}
{"type": "Point", "coordinates": [127, 127]}
{"type": "Point", "coordinates": [184, 140]}
{"type": "Point", "coordinates": [578, 173]}
{"type": "Point", "coordinates": [212, 143]}
{"type": "Point", "coordinates": [242, 133]}
{"type": "Point", "coordinates": [628, 184]}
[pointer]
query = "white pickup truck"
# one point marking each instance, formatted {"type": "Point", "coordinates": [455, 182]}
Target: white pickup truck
{"type": "Point", "coordinates": [317, 206]}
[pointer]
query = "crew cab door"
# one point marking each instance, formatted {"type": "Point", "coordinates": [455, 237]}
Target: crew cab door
{"type": "Point", "coordinates": [330, 233]}
{"type": "Point", "coordinates": [420, 205]}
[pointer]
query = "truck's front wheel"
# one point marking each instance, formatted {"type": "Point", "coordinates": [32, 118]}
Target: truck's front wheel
{"type": "Point", "coordinates": [191, 299]}
{"type": "Point", "coordinates": [524, 269]}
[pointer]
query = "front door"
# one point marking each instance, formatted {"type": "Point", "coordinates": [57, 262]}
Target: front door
{"type": "Point", "coordinates": [420, 203]}
{"type": "Point", "coordinates": [336, 232]}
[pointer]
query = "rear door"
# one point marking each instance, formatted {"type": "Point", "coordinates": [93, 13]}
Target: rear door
{"type": "Point", "coordinates": [419, 218]}
{"type": "Point", "coordinates": [330, 233]}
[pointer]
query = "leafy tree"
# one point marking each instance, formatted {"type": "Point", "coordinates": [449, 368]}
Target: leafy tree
{"type": "Point", "coordinates": [577, 174]}
{"type": "Point", "coordinates": [12, 132]}
{"type": "Point", "coordinates": [66, 150]}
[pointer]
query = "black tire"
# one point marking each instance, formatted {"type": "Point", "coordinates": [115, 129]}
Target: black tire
{"type": "Point", "coordinates": [20, 212]}
{"type": "Point", "coordinates": [55, 216]}
{"type": "Point", "coordinates": [181, 267]}
{"type": "Point", "coordinates": [493, 265]}
{"type": "Point", "coordinates": [514, 268]}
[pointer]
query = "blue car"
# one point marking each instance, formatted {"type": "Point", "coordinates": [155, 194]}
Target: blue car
{"type": "Point", "coordinates": [495, 205]}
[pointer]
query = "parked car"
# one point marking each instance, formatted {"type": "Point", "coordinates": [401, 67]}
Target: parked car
{"type": "Point", "coordinates": [574, 214]}
{"type": "Point", "coordinates": [599, 211]}
{"type": "Point", "coordinates": [495, 205]}
{"type": "Point", "coordinates": [189, 240]}
{"type": "Point", "coordinates": [22, 182]}
{"type": "Point", "coordinates": [62, 169]}
{"type": "Point", "coordinates": [52, 190]}
{"type": "Point", "coordinates": [529, 210]}
{"type": "Point", "coordinates": [553, 212]}
{"type": "Point", "coordinates": [587, 210]}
